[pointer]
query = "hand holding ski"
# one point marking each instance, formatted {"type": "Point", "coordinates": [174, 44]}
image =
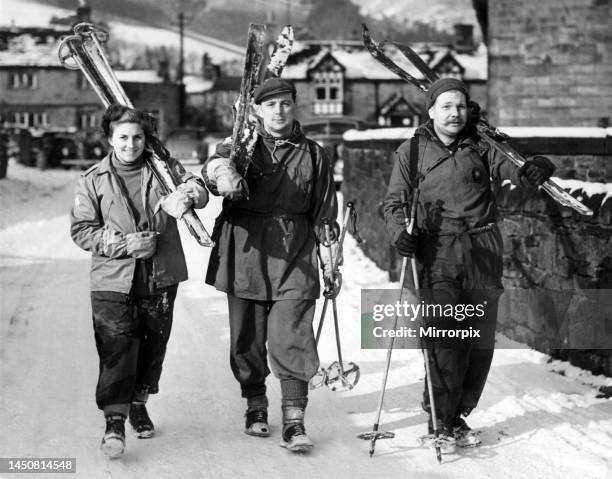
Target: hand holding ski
{"type": "Point", "coordinates": [83, 51]}
{"type": "Point", "coordinates": [492, 136]}
{"type": "Point", "coordinates": [244, 134]}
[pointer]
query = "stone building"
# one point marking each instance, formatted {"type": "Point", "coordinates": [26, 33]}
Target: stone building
{"type": "Point", "coordinates": [550, 62]}
{"type": "Point", "coordinates": [342, 79]}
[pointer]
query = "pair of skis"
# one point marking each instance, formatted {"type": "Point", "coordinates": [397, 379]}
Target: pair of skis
{"type": "Point", "coordinates": [83, 51]}
{"type": "Point", "coordinates": [489, 134]}
{"type": "Point", "coordinates": [244, 134]}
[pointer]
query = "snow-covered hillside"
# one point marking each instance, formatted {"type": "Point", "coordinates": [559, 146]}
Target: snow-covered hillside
{"type": "Point", "coordinates": [25, 13]}
{"type": "Point", "coordinates": [441, 14]}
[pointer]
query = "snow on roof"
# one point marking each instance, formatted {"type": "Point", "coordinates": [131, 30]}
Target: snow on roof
{"type": "Point", "coordinates": [196, 84]}
{"type": "Point", "coordinates": [138, 76]}
{"type": "Point", "coordinates": [24, 52]}
{"type": "Point", "coordinates": [512, 131]}
{"type": "Point", "coordinates": [359, 64]}
{"type": "Point", "coordinates": [378, 134]}
{"type": "Point", "coordinates": [475, 64]}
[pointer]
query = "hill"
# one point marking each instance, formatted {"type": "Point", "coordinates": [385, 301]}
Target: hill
{"type": "Point", "coordinates": [228, 20]}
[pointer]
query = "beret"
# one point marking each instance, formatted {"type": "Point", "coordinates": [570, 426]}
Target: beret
{"type": "Point", "coordinates": [273, 86]}
{"type": "Point", "coordinates": [445, 84]}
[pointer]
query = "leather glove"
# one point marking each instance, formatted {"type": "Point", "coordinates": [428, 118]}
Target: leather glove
{"type": "Point", "coordinates": [332, 288]}
{"type": "Point", "coordinates": [536, 170]}
{"type": "Point", "coordinates": [229, 184]}
{"type": "Point", "coordinates": [195, 192]}
{"type": "Point", "coordinates": [175, 204]}
{"type": "Point", "coordinates": [334, 233]}
{"type": "Point", "coordinates": [406, 244]}
{"type": "Point", "coordinates": [141, 245]}
{"type": "Point", "coordinates": [473, 112]}
{"type": "Point", "coordinates": [113, 243]}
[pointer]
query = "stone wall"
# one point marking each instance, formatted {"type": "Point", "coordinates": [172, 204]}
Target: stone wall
{"type": "Point", "coordinates": [550, 62]}
{"type": "Point", "coordinates": [556, 262]}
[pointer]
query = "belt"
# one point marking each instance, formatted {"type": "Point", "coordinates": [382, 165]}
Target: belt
{"type": "Point", "coordinates": [464, 236]}
{"type": "Point", "coordinates": [269, 214]}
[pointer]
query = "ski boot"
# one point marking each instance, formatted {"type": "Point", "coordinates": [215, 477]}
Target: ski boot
{"type": "Point", "coordinates": [257, 422]}
{"type": "Point", "coordinates": [464, 434]}
{"type": "Point", "coordinates": [140, 421]}
{"type": "Point", "coordinates": [445, 440]}
{"type": "Point", "coordinates": [113, 441]}
{"type": "Point", "coordinates": [294, 437]}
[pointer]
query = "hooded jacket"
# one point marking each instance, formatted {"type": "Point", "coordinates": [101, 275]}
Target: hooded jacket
{"type": "Point", "coordinates": [100, 206]}
{"type": "Point", "coordinates": [266, 245]}
{"type": "Point", "coordinates": [456, 186]}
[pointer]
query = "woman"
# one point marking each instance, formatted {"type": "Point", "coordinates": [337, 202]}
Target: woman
{"type": "Point", "coordinates": [137, 263]}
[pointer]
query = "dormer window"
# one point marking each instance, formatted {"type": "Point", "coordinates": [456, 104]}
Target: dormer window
{"type": "Point", "coordinates": [328, 78]}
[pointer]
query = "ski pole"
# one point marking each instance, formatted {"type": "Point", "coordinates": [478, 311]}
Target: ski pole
{"type": "Point", "coordinates": [353, 368]}
{"type": "Point", "coordinates": [375, 433]}
{"type": "Point", "coordinates": [349, 215]}
{"type": "Point", "coordinates": [415, 278]}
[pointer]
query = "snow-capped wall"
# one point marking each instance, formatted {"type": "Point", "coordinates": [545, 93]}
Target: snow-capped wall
{"type": "Point", "coordinates": [546, 247]}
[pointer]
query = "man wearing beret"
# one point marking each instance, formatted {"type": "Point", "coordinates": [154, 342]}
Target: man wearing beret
{"type": "Point", "coordinates": [457, 244]}
{"type": "Point", "coordinates": [265, 258]}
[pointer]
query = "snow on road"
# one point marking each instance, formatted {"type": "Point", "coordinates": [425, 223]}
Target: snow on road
{"type": "Point", "coordinates": [541, 419]}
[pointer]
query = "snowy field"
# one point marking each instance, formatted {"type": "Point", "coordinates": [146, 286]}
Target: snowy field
{"type": "Point", "coordinates": [540, 419]}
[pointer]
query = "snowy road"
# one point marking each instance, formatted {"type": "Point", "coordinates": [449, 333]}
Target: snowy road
{"type": "Point", "coordinates": [540, 419]}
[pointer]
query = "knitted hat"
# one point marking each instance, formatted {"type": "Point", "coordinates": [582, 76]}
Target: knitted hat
{"type": "Point", "coordinates": [273, 86]}
{"type": "Point", "coordinates": [445, 84]}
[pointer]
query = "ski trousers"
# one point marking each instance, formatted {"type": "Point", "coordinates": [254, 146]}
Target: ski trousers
{"type": "Point", "coordinates": [131, 335]}
{"type": "Point", "coordinates": [460, 269]}
{"type": "Point", "coordinates": [281, 330]}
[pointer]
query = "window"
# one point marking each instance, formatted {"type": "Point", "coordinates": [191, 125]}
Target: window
{"type": "Point", "coordinates": [328, 91]}
{"type": "Point", "coordinates": [87, 120]}
{"type": "Point", "coordinates": [23, 80]}
{"type": "Point", "coordinates": [26, 119]}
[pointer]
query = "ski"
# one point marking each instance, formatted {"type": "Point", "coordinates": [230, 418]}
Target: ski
{"type": "Point", "coordinates": [489, 134]}
{"type": "Point", "coordinates": [244, 135]}
{"type": "Point", "coordinates": [282, 50]}
{"type": "Point", "coordinates": [83, 51]}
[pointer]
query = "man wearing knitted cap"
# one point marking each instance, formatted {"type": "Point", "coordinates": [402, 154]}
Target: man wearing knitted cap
{"type": "Point", "coordinates": [458, 248]}
{"type": "Point", "coordinates": [265, 258]}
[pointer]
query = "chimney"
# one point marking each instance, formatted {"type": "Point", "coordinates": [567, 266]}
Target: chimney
{"type": "Point", "coordinates": [463, 41]}
{"type": "Point", "coordinates": [83, 12]}
{"type": "Point", "coordinates": [209, 70]}
{"type": "Point", "coordinates": [163, 70]}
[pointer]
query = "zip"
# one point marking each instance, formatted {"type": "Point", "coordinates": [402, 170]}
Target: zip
{"type": "Point", "coordinates": [143, 192]}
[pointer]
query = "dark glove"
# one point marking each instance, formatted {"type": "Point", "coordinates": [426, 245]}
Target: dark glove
{"type": "Point", "coordinates": [141, 245]}
{"type": "Point", "coordinates": [536, 170]}
{"type": "Point", "coordinates": [473, 112]}
{"type": "Point", "coordinates": [406, 244]}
